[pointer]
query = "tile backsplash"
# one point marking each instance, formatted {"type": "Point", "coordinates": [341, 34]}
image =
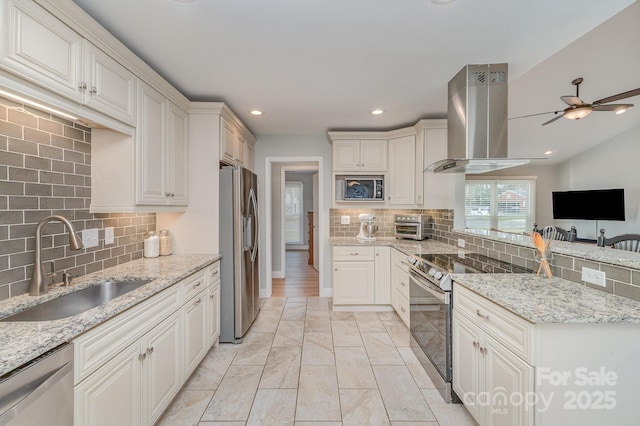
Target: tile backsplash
{"type": "Point", "coordinates": [45, 169]}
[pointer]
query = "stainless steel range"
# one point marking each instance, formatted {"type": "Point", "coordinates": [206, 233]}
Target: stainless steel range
{"type": "Point", "coordinates": [431, 308]}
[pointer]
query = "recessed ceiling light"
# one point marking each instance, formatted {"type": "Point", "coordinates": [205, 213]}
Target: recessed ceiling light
{"type": "Point", "coordinates": [548, 152]}
{"type": "Point", "coordinates": [256, 112]}
{"type": "Point", "coordinates": [377, 111]}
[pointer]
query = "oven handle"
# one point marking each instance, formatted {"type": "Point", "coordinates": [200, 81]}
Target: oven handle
{"type": "Point", "coordinates": [436, 292]}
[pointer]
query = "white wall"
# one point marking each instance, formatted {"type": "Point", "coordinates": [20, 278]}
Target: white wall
{"type": "Point", "coordinates": [294, 145]}
{"type": "Point", "coordinates": [612, 164]}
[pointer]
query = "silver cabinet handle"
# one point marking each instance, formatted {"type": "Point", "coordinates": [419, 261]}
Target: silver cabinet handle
{"type": "Point", "coordinates": [402, 283]}
{"type": "Point", "coordinates": [212, 295]}
{"type": "Point", "coordinates": [482, 316]}
{"type": "Point", "coordinates": [215, 272]}
{"type": "Point", "coordinates": [483, 351]}
{"type": "Point", "coordinates": [93, 90]}
{"type": "Point", "coordinates": [197, 302]}
{"type": "Point", "coordinates": [403, 309]}
{"type": "Point", "coordinates": [150, 350]}
{"type": "Point", "coordinates": [476, 344]}
{"type": "Point", "coordinates": [82, 85]}
{"type": "Point", "coordinates": [354, 254]}
{"type": "Point", "coordinates": [196, 285]}
{"type": "Point", "coordinates": [141, 357]}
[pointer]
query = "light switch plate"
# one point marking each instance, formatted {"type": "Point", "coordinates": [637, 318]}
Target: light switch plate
{"type": "Point", "coordinates": [345, 220]}
{"type": "Point", "coordinates": [90, 237]}
{"type": "Point", "coordinates": [461, 242]}
{"type": "Point", "coordinates": [594, 277]}
{"type": "Point", "coordinates": [108, 235]}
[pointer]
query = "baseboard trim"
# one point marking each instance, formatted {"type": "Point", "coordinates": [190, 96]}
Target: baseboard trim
{"type": "Point", "coordinates": [363, 308]}
{"type": "Point", "coordinates": [297, 247]}
{"type": "Point", "coordinates": [277, 274]}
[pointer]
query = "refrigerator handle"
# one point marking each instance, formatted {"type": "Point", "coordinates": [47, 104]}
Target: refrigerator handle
{"type": "Point", "coordinates": [246, 227]}
{"type": "Point", "coordinates": [254, 223]}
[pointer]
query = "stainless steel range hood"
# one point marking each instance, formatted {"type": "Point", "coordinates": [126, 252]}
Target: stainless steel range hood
{"type": "Point", "coordinates": [477, 123]}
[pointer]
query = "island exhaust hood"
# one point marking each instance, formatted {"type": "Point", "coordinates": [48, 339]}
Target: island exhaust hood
{"type": "Point", "coordinates": [477, 122]}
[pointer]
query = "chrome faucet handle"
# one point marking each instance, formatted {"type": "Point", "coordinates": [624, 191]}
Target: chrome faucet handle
{"type": "Point", "coordinates": [66, 278]}
{"type": "Point", "coordinates": [50, 278]}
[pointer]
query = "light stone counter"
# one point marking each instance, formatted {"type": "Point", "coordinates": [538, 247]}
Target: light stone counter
{"type": "Point", "coordinates": [20, 342]}
{"type": "Point", "coordinates": [408, 247]}
{"type": "Point", "coordinates": [554, 300]}
{"type": "Point", "coordinates": [583, 250]}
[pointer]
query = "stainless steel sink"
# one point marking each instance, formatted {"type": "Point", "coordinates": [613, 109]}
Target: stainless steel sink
{"type": "Point", "coordinates": [77, 302]}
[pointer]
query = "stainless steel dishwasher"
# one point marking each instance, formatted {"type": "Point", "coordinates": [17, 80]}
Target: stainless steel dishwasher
{"type": "Point", "coordinates": [40, 392]}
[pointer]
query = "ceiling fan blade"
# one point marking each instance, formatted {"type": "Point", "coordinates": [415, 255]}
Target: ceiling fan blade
{"type": "Point", "coordinates": [612, 107]}
{"type": "Point", "coordinates": [553, 119]}
{"type": "Point", "coordinates": [534, 115]}
{"type": "Point", "coordinates": [571, 100]}
{"type": "Point", "coordinates": [623, 95]}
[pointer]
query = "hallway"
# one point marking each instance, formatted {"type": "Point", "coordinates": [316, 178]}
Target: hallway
{"type": "Point", "coordinates": [301, 279]}
{"type": "Point", "coordinates": [304, 364]}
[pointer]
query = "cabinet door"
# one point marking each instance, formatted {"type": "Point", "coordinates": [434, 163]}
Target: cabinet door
{"type": "Point", "coordinates": [111, 88]}
{"type": "Point", "coordinates": [345, 155]}
{"type": "Point", "coordinates": [400, 183]}
{"type": "Point", "coordinates": [112, 395]}
{"type": "Point", "coordinates": [162, 374]}
{"type": "Point", "coordinates": [248, 156]}
{"type": "Point", "coordinates": [40, 48]}
{"type": "Point", "coordinates": [240, 149]}
{"type": "Point", "coordinates": [177, 155]}
{"type": "Point", "coordinates": [382, 276]}
{"type": "Point", "coordinates": [227, 142]}
{"type": "Point", "coordinates": [213, 315]}
{"type": "Point", "coordinates": [466, 363]}
{"type": "Point", "coordinates": [505, 375]}
{"type": "Point", "coordinates": [373, 155]}
{"type": "Point", "coordinates": [150, 142]}
{"type": "Point", "coordinates": [195, 332]}
{"type": "Point", "coordinates": [353, 283]}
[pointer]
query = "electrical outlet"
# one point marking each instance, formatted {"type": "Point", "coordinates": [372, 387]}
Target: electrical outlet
{"type": "Point", "coordinates": [90, 237]}
{"type": "Point", "coordinates": [345, 220]}
{"type": "Point", "coordinates": [108, 235]}
{"type": "Point", "coordinates": [594, 277]}
{"type": "Point", "coordinates": [461, 242]}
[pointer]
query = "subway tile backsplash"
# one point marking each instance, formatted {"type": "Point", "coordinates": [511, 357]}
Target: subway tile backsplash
{"type": "Point", "coordinates": [45, 169]}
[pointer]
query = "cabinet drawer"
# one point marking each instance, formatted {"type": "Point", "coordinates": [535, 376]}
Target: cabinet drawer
{"type": "Point", "coordinates": [102, 343]}
{"type": "Point", "coordinates": [401, 305]}
{"type": "Point", "coordinates": [509, 329]}
{"type": "Point", "coordinates": [353, 253]}
{"type": "Point", "coordinates": [213, 274]}
{"type": "Point", "coordinates": [193, 285]}
{"type": "Point", "coordinates": [401, 281]}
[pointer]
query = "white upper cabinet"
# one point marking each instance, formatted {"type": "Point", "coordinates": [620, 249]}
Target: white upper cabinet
{"type": "Point", "coordinates": [401, 179]}
{"type": "Point", "coordinates": [236, 143]}
{"type": "Point", "coordinates": [42, 49]}
{"type": "Point", "coordinates": [162, 150]}
{"type": "Point", "coordinates": [38, 47]}
{"type": "Point", "coordinates": [359, 155]}
{"type": "Point", "coordinates": [108, 87]}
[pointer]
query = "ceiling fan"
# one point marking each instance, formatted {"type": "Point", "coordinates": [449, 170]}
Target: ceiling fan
{"type": "Point", "coordinates": [578, 109]}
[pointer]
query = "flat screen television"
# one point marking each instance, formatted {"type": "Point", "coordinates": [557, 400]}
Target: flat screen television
{"type": "Point", "coordinates": [599, 204]}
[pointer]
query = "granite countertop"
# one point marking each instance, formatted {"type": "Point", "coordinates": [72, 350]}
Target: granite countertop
{"type": "Point", "coordinates": [20, 342]}
{"type": "Point", "coordinates": [588, 251]}
{"type": "Point", "coordinates": [553, 300]}
{"type": "Point", "coordinates": [408, 247]}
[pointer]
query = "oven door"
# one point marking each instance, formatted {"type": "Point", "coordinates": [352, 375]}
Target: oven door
{"type": "Point", "coordinates": [430, 324]}
{"type": "Point", "coordinates": [407, 230]}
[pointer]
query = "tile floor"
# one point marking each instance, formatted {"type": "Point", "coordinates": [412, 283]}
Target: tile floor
{"type": "Point", "coordinates": [303, 364]}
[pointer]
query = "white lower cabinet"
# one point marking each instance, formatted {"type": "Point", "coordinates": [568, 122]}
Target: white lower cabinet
{"type": "Point", "coordinates": [400, 285]}
{"type": "Point", "coordinates": [195, 331]}
{"type": "Point", "coordinates": [353, 283]}
{"type": "Point", "coordinates": [488, 377]}
{"type": "Point", "coordinates": [133, 384]}
{"type": "Point", "coordinates": [382, 278]}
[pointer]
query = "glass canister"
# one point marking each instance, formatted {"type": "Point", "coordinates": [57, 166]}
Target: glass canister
{"type": "Point", "coordinates": [166, 245]}
{"type": "Point", "coordinates": [151, 244]}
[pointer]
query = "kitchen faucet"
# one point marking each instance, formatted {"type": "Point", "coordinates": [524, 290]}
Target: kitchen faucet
{"type": "Point", "coordinates": [40, 277]}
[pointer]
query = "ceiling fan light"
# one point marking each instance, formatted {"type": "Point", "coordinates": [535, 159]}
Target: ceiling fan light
{"type": "Point", "coordinates": [578, 112]}
{"type": "Point", "coordinates": [621, 110]}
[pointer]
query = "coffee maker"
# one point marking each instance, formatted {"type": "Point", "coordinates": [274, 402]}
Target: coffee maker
{"type": "Point", "coordinates": [367, 227]}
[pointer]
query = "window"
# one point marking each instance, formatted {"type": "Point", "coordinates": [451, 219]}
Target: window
{"type": "Point", "coordinates": [501, 204]}
{"type": "Point", "coordinates": [293, 220]}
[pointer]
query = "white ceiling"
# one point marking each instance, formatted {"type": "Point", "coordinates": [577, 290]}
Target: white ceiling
{"type": "Point", "coordinates": [325, 64]}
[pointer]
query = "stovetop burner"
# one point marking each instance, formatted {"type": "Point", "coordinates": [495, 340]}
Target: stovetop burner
{"type": "Point", "coordinates": [473, 263]}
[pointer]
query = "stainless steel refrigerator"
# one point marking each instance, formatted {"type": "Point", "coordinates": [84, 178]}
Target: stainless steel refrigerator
{"type": "Point", "coordinates": [239, 285]}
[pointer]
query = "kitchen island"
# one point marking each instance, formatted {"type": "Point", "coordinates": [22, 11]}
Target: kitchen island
{"type": "Point", "coordinates": [529, 350]}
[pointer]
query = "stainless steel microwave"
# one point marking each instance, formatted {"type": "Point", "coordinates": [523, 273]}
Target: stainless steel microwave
{"type": "Point", "coordinates": [362, 188]}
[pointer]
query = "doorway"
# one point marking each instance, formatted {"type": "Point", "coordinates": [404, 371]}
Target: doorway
{"type": "Point", "coordinates": [294, 226]}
